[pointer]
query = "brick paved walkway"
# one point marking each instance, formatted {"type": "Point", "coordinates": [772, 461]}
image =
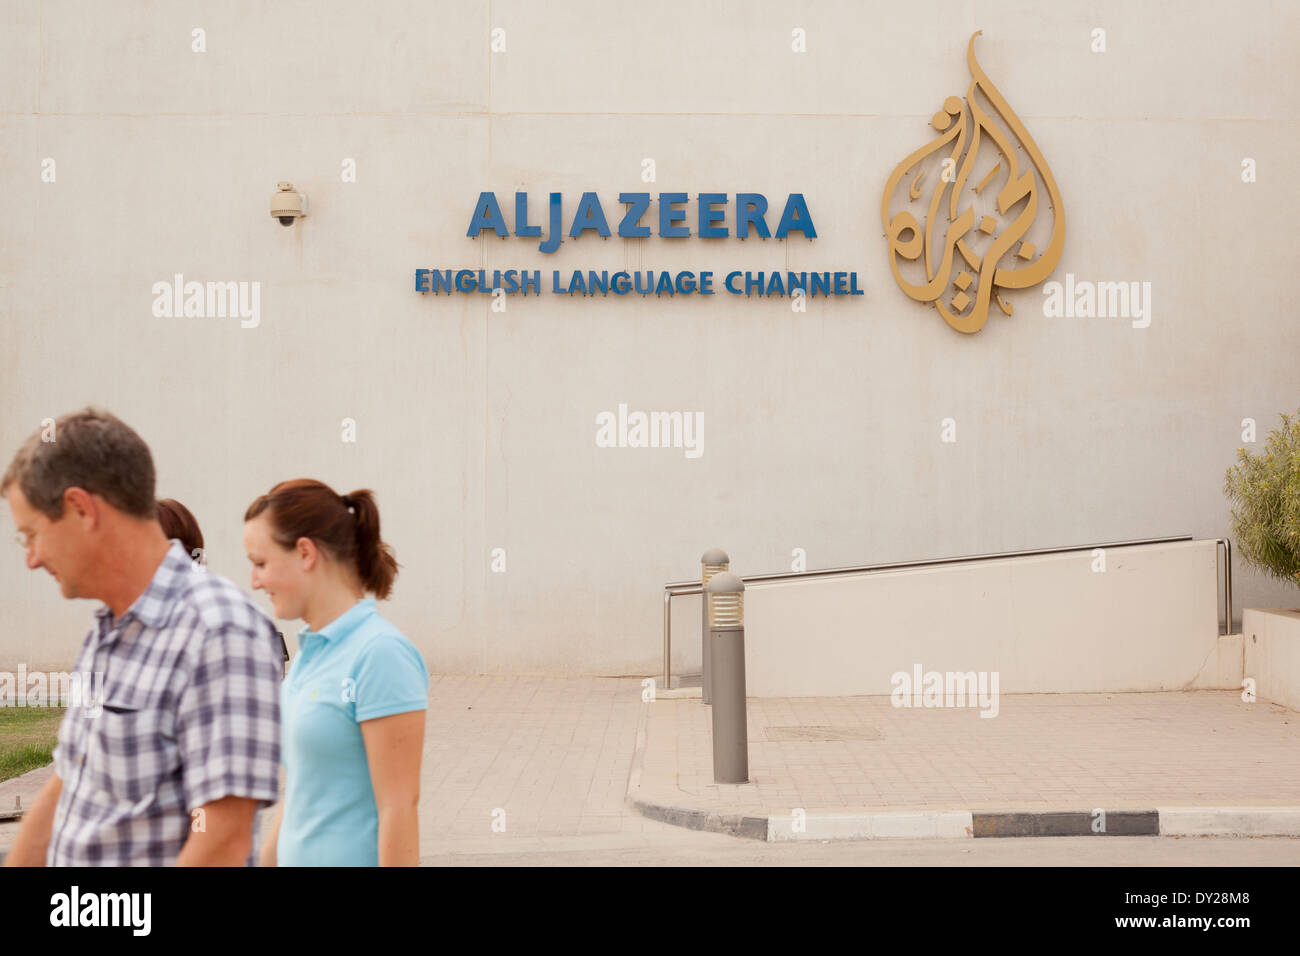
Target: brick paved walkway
{"type": "Point", "coordinates": [555, 755]}
{"type": "Point", "coordinates": [1073, 751]}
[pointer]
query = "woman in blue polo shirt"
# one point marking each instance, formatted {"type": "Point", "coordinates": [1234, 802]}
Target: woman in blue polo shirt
{"type": "Point", "coordinates": [352, 707]}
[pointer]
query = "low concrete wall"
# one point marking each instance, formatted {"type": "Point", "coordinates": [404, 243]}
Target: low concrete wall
{"type": "Point", "coordinates": [1272, 639]}
{"type": "Point", "coordinates": [1048, 624]}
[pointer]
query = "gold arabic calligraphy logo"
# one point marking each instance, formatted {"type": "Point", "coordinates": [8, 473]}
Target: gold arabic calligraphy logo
{"type": "Point", "coordinates": [975, 236]}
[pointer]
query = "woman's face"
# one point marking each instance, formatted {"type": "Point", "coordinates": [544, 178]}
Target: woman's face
{"type": "Point", "coordinates": [276, 570]}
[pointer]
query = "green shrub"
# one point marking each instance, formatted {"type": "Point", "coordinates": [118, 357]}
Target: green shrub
{"type": "Point", "coordinates": [1265, 493]}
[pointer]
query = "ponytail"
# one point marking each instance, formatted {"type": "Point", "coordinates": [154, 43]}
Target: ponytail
{"type": "Point", "coordinates": [375, 560]}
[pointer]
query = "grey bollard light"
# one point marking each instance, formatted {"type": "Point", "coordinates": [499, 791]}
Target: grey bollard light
{"type": "Point", "coordinates": [714, 561]}
{"type": "Point", "coordinates": [726, 601]}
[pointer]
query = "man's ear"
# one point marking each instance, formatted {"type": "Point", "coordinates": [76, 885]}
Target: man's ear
{"type": "Point", "coordinates": [79, 503]}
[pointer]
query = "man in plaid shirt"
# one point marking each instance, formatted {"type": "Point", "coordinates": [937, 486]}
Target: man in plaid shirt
{"type": "Point", "coordinates": [171, 766]}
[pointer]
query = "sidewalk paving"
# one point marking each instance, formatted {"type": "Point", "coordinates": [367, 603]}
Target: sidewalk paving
{"type": "Point", "coordinates": [849, 761]}
{"type": "Point", "coordinates": [552, 753]}
{"type": "Point", "coordinates": [584, 763]}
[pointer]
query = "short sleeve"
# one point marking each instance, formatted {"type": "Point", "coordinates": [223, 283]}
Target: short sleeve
{"type": "Point", "coordinates": [390, 678]}
{"type": "Point", "coordinates": [228, 718]}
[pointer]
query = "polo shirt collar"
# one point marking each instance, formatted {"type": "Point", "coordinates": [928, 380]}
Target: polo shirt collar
{"type": "Point", "coordinates": [343, 625]}
{"type": "Point", "coordinates": [154, 605]}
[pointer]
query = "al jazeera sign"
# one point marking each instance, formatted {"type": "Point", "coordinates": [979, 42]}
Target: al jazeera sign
{"type": "Point", "coordinates": [977, 202]}
{"type": "Point", "coordinates": [963, 218]}
{"type": "Point", "coordinates": [751, 219]}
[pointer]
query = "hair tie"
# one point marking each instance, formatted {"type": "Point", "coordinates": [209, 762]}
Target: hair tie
{"type": "Point", "coordinates": [347, 503]}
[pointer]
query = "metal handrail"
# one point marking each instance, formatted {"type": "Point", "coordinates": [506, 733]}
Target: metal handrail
{"type": "Point", "coordinates": [1227, 581]}
{"type": "Point", "coordinates": [695, 587]}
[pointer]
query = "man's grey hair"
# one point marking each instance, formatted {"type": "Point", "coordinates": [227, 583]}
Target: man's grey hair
{"type": "Point", "coordinates": [90, 449]}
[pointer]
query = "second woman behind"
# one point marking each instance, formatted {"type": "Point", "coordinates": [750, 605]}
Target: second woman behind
{"type": "Point", "coordinates": [352, 707]}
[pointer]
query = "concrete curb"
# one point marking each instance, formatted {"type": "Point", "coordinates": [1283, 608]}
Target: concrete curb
{"type": "Point", "coordinates": [740, 825]}
{"type": "Point", "coordinates": [1238, 821]}
{"type": "Point", "coordinates": [1229, 821]}
{"type": "Point", "coordinates": [27, 785]}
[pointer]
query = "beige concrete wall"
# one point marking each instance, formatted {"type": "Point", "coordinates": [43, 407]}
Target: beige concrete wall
{"type": "Point", "coordinates": [1049, 624]}
{"type": "Point", "coordinates": [1272, 639]}
{"type": "Point", "coordinates": [477, 429]}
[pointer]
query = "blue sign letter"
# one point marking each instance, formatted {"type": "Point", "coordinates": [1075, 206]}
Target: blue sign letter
{"type": "Point", "coordinates": [521, 217]}
{"type": "Point", "coordinates": [630, 227]}
{"type": "Point", "coordinates": [589, 216]}
{"type": "Point", "coordinates": [792, 223]}
{"type": "Point", "coordinates": [487, 214]}
{"type": "Point", "coordinates": [709, 215]}
{"type": "Point", "coordinates": [750, 207]}
{"type": "Point", "coordinates": [668, 215]}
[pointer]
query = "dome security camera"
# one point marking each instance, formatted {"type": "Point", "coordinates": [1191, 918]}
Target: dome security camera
{"type": "Point", "coordinates": [287, 205]}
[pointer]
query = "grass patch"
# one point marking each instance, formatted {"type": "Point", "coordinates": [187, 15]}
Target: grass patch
{"type": "Point", "coordinates": [27, 738]}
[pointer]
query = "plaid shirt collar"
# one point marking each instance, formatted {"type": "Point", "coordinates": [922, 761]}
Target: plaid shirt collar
{"type": "Point", "coordinates": [154, 605]}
